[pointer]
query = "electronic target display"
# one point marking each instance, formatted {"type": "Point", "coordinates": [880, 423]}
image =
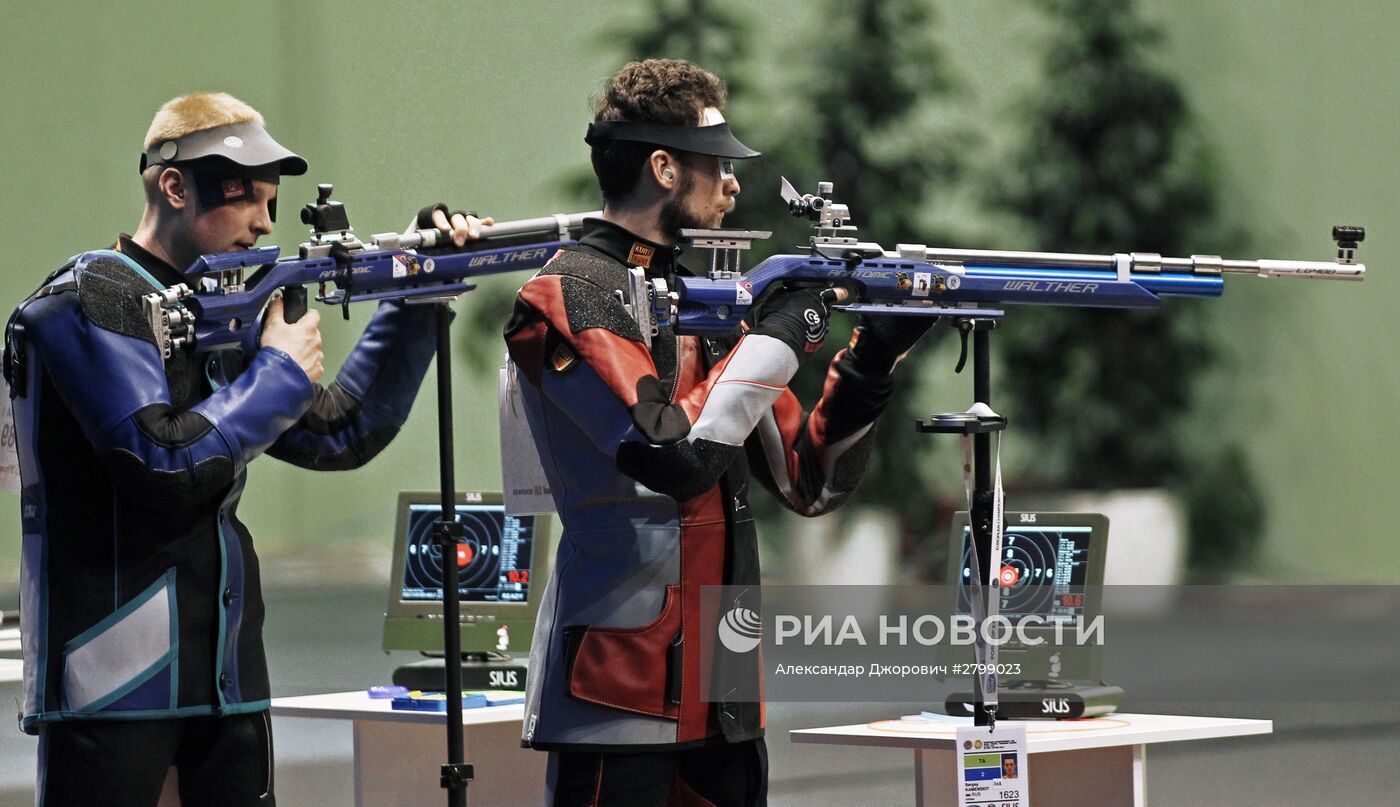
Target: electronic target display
{"type": "Point", "coordinates": [493, 562]}
{"type": "Point", "coordinates": [1044, 570]}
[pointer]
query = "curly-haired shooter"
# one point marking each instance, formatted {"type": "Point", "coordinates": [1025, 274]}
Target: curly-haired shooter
{"type": "Point", "coordinates": [650, 441]}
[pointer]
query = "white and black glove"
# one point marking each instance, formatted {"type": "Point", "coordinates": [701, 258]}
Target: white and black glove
{"type": "Point", "coordinates": [797, 317]}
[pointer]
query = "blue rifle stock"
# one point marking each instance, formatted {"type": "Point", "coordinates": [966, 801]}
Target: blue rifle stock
{"type": "Point", "coordinates": [222, 304]}
{"type": "Point", "coordinates": [916, 280]}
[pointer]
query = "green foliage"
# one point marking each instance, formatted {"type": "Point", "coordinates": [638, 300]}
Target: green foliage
{"type": "Point", "coordinates": [1110, 162]}
{"type": "Point", "coordinates": [879, 70]}
{"type": "Point", "coordinates": [866, 124]}
{"type": "Point", "coordinates": [480, 321]}
{"type": "Point", "coordinates": [1225, 516]}
{"type": "Point", "coordinates": [701, 31]}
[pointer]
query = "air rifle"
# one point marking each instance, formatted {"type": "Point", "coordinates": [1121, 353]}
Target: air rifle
{"type": "Point", "coordinates": [221, 304]}
{"type": "Point", "coordinates": [917, 280]}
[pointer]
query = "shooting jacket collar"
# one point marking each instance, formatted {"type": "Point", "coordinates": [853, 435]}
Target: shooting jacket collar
{"type": "Point", "coordinates": [623, 246]}
{"type": "Point", "coordinates": [158, 268]}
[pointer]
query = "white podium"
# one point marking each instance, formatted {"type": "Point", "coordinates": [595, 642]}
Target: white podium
{"type": "Point", "coordinates": [1101, 761]}
{"type": "Point", "coordinates": [398, 754]}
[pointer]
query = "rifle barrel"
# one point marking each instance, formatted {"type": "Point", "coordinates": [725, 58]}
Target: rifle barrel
{"type": "Point", "coordinates": [564, 226]}
{"type": "Point", "coordinates": [1144, 263]}
{"type": "Point", "coordinates": [562, 223]}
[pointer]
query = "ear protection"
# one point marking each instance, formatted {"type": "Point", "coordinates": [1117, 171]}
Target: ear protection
{"type": "Point", "coordinates": [667, 174]}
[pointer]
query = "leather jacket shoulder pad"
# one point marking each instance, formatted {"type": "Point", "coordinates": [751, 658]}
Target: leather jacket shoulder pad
{"type": "Point", "coordinates": [110, 293]}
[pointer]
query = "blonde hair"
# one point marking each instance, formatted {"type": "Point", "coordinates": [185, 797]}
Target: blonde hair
{"type": "Point", "coordinates": [195, 113]}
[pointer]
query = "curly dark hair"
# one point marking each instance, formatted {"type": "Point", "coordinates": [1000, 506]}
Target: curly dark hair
{"type": "Point", "coordinates": [670, 91]}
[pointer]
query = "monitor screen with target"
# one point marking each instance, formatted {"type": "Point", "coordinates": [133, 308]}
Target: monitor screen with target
{"type": "Point", "coordinates": [493, 564]}
{"type": "Point", "coordinates": [1051, 564]}
{"type": "Point", "coordinates": [1051, 567]}
{"type": "Point", "coordinates": [502, 567]}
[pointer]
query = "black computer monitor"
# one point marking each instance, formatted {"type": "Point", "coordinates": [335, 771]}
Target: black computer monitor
{"type": "Point", "coordinates": [503, 566]}
{"type": "Point", "coordinates": [1054, 564]}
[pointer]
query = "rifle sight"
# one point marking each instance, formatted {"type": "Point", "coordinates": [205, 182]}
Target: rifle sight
{"type": "Point", "coordinates": [324, 215]}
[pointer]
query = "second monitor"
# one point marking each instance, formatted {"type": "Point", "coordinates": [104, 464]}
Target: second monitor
{"type": "Point", "coordinates": [503, 566]}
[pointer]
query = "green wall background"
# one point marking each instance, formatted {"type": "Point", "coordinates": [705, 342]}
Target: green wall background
{"type": "Point", "coordinates": [483, 106]}
{"type": "Point", "coordinates": [1302, 100]}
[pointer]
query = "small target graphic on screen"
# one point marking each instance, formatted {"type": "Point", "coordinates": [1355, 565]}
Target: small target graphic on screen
{"type": "Point", "coordinates": [477, 557]}
{"type": "Point", "coordinates": [1037, 568]}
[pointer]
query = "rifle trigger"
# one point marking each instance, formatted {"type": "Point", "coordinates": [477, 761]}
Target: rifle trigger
{"type": "Point", "coordinates": [964, 328]}
{"type": "Point", "coordinates": [346, 283]}
{"type": "Point", "coordinates": [344, 259]}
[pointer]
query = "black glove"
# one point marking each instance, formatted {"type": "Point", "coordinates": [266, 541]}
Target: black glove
{"type": "Point", "coordinates": [424, 219]}
{"type": "Point", "coordinates": [879, 342]}
{"type": "Point", "coordinates": [798, 317]}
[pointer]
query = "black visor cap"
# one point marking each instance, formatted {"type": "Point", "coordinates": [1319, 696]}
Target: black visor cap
{"type": "Point", "coordinates": [716, 140]}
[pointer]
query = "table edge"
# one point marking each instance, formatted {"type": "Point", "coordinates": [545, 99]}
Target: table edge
{"type": "Point", "coordinates": [1236, 727]}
